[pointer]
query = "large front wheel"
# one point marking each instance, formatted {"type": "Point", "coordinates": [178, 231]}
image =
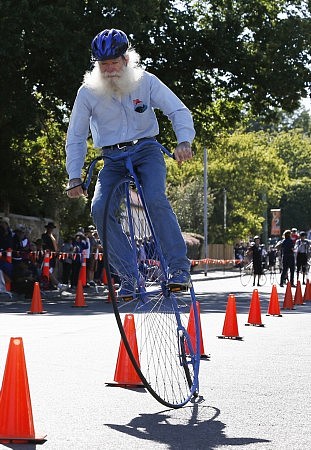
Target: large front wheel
{"type": "Point", "coordinates": [168, 344]}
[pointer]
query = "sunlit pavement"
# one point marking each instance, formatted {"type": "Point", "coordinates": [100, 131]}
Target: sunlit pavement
{"type": "Point", "coordinates": [254, 392]}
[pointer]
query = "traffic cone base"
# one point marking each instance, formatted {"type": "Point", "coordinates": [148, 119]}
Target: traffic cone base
{"type": "Point", "coordinates": [254, 325]}
{"type": "Point", "coordinates": [125, 385]}
{"type": "Point", "coordinates": [125, 374]}
{"type": "Point", "coordinates": [235, 338]}
{"type": "Point", "coordinates": [230, 328]}
{"type": "Point", "coordinates": [79, 300]}
{"type": "Point", "coordinates": [36, 302]}
{"type": "Point", "coordinates": [16, 420]}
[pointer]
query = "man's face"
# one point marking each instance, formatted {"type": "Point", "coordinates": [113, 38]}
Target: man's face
{"type": "Point", "coordinates": [112, 67]}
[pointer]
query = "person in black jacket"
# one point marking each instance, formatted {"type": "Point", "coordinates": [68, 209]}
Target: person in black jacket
{"type": "Point", "coordinates": [256, 252]}
{"type": "Point", "coordinates": [288, 258]}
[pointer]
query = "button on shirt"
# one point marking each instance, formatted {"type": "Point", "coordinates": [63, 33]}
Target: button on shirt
{"type": "Point", "coordinates": [114, 119]}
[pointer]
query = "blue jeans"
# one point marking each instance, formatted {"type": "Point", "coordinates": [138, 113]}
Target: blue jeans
{"type": "Point", "coordinates": [148, 162]}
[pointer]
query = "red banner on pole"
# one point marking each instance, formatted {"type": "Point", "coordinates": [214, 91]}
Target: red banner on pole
{"type": "Point", "coordinates": [276, 222]}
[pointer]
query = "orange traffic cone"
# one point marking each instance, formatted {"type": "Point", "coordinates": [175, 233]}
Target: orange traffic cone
{"type": "Point", "coordinates": [254, 316]}
{"type": "Point", "coordinates": [104, 278]}
{"type": "Point", "coordinates": [288, 299]}
{"type": "Point", "coordinates": [125, 374]}
{"type": "Point", "coordinates": [191, 330]}
{"type": "Point", "coordinates": [36, 302]}
{"type": "Point", "coordinates": [46, 265]}
{"type": "Point", "coordinates": [230, 328]}
{"type": "Point", "coordinates": [16, 420]}
{"type": "Point", "coordinates": [307, 293]}
{"type": "Point", "coordinates": [298, 294]}
{"type": "Point", "coordinates": [79, 300]}
{"type": "Point", "coordinates": [274, 306]}
{"type": "Point", "coordinates": [82, 273]}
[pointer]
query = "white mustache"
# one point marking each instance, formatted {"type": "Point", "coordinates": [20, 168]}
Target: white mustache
{"type": "Point", "coordinates": [111, 75]}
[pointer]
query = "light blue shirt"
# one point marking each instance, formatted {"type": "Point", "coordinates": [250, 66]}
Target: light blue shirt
{"type": "Point", "coordinates": [113, 119]}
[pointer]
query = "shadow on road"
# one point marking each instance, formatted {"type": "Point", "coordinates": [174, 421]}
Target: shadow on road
{"type": "Point", "coordinates": [192, 427]}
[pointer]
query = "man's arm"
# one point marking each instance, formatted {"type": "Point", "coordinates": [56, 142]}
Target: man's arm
{"type": "Point", "coordinates": [76, 143]}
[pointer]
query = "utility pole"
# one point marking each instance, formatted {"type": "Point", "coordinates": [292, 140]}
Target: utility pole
{"type": "Point", "coordinates": [205, 219]}
{"type": "Point", "coordinates": [225, 220]}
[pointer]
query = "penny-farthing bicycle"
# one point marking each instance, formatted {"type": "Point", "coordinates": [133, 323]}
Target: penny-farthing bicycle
{"type": "Point", "coordinates": [168, 346]}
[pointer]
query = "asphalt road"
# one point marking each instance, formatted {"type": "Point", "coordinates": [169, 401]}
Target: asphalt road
{"type": "Point", "coordinates": [254, 393]}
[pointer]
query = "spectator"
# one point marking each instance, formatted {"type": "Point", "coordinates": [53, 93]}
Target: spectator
{"type": "Point", "coordinates": [141, 257]}
{"type": "Point", "coordinates": [239, 252]}
{"type": "Point", "coordinates": [288, 259]}
{"type": "Point", "coordinates": [6, 242]}
{"type": "Point", "coordinates": [272, 255]}
{"type": "Point", "coordinates": [24, 270]}
{"type": "Point", "coordinates": [149, 246]}
{"type": "Point", "coordinates": [302, 249]}
{"type": "Point", "coordinates": [98, 275]}
{"type": "Point", "coordinates": [49, 243]}
{"type": "Point", "coordinates": [21, 244]}
{"type": "Point", "coordinates": [294, 235]}
{"type": "Point", "coordinates": [67, 250]}
{"type": "Point", "coordinates": [256, 252]}
{"type": "Point", "coordinates": [79, 245]}
{"type": "Point", "coordinates": [91, 251]}
{"type": "Point", "coordinates": [6, 235]}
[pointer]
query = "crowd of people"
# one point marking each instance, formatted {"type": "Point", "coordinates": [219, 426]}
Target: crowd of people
{"type": "Point", "coordinates": [288, 255]}
{"type": "Point", "coordinates": [22, 259]}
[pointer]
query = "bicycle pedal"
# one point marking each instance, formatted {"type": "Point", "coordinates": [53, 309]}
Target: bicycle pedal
{"type": "Point", "coordinates": [178, 288]}
{"type": "Point", "coordinates": [127, 298]}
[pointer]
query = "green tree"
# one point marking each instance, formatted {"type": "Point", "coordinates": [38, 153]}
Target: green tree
{"type": "Point", "coordinates": [222, 58]}
{"type": "Point", "coordinates": [294, 148]}
{"type": "Point", "coordinates": [249, 168]}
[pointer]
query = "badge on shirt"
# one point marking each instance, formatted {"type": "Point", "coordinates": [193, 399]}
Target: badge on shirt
{"type": "Point", "coordinates": [139, 106]}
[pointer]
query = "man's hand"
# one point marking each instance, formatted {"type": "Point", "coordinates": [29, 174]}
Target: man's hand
{"type": "Point", "coordinates": [74, 188]}
{"type": "Point", "coordinates": [183, 152]}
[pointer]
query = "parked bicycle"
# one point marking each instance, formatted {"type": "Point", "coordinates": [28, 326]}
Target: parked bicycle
{"type": "Point", "coordinates": [169, 357]}
{"type": "Point", "coordinates": [247, 276]}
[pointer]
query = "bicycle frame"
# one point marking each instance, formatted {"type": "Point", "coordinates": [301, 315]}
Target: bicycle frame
{"type": "Point", "coordinates": [182, 333]}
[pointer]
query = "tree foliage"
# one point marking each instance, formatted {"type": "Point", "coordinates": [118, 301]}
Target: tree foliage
{"type": "Point", "coordinates": [222, 57]}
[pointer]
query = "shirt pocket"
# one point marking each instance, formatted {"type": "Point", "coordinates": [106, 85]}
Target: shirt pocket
{"type": "Point", "coordinates": [142, 117]}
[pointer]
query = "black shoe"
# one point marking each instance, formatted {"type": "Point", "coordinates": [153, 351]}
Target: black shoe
{"type": "Point", "coordinates": [179, 281]}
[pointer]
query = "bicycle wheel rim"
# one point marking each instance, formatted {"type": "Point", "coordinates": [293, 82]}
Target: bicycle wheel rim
{"type": "Point", "coordinates": [161, 317]}
{"type": "Point", "coordinates": [245, 278]}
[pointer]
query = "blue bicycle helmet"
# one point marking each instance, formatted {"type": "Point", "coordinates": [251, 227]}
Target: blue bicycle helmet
{"type": "Point", "coordinates": [109, 44]}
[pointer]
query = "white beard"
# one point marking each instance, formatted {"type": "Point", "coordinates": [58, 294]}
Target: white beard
{"type": "Point", "coordinates": [115, 83]}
